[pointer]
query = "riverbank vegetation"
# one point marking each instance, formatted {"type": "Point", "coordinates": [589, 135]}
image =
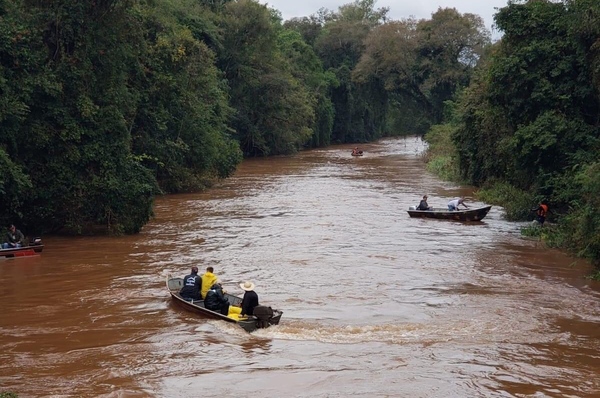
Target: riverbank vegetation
{"type": "Point", "coordinates": [106, 104]}
{"type": "Point", "coordinates": [526, 129]}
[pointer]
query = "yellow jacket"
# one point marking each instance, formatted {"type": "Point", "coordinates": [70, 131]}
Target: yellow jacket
{"type": "Point", "coordinates": [208, 279]}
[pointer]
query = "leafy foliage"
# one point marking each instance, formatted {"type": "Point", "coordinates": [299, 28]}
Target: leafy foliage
{"type": "Point", "coordinates": [423, 64]}
{"type": "Point", "coordinates": [528, 125]}
{"type": "Point", "coordinates": [180, 129]}
{"type": "Point", "coordinates": [82, 89]}
{"type": "Point", "coordinates": [105, 104]}
{"type": "Point", "coordinates": [273, 112]}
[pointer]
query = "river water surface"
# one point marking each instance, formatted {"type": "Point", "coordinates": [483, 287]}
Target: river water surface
{"type": "Point", "coordinates": [376, 304]}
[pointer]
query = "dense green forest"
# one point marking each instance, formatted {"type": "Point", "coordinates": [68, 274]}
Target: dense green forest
{"type": "Point", "coordinates": [108, 103]}
{"type": "Point", "coordinates": [526, 129]}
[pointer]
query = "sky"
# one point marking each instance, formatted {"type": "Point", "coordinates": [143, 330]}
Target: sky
{"type": "Point", "coordinates": [398, 8]}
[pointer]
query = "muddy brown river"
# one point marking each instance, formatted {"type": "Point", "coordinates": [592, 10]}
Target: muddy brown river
{"type": "Point", "coordinates": [376, 304]}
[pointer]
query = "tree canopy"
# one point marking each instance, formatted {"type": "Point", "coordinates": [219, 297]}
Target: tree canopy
{"type": "Point", "coordinates": [106, 104]}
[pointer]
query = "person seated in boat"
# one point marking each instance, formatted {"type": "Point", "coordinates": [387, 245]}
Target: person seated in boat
{"type": "Point", "coordinates": [453, 204]}
{"type": "Point", "coordinates": [250, 299]}
{"type": "Point", "coordinates": [423, 204]}
{"type": "Point", "coordinates": [192, 284]}
{"type": "Point", "coordinates": [356, 151]}
{"type": "Point", "coordinates": [208, 279]}
{"type": "Point", "coordinates": [215, 299]}
{"type": "Point", "coordinates": [13, 238]}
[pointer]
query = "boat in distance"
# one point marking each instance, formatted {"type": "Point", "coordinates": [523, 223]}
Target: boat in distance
{"type": "Point", "coordinates": [445, 214]}
{"type": "Point", "coordinates": [34, 248]}
{"type": "Point", "coordinates": [263, 316]}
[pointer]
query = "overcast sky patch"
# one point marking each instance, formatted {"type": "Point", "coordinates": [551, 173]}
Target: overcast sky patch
{"type": "Point", "coordinates": [399, 9]}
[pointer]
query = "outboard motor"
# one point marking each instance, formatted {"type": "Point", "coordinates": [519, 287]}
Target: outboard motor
{"type": "Point", "coordinates": [263, 314]}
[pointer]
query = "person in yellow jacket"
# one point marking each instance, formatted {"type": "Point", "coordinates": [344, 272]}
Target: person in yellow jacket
{"type": "Point", "coordinates": [208, 279]}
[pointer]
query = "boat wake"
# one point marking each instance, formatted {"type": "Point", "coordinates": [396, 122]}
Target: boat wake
{"type": "Point", "coordinates": [425, 334]}
{"type": "Point", "coordinates": [345, 334]}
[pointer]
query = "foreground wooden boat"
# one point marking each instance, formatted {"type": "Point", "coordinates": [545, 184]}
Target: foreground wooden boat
{"type": "Point", "coordinates": [32, 249]}
{"type": "Point", "coordinates": [263, 317]}
{"type": "Point", "coordinates": [457, 215]}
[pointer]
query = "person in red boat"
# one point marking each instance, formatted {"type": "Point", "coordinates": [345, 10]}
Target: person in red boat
{"type": "Point", "coordinates": [13, 238]}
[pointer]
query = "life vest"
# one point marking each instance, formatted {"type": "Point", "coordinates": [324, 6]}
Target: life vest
{"type": "Point", "coordinates": [542, 210]}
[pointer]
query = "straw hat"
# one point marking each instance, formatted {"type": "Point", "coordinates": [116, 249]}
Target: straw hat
{"type": "Point", "coordinates": [247, 286]}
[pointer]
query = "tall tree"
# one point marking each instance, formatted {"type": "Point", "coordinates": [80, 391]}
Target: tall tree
{"type": "Point", "coordinates": [540, 79]}
{"type": "Point", "coordinates": [424, 63]}
{"type": "Point", "coordinates": [360, 107]}
{"type": "Point", "coordinates": [75, 129]}
{"type": "Point", "coordinates": [180, 129]}
{"type": "Point", "coordinates": [273, 113]}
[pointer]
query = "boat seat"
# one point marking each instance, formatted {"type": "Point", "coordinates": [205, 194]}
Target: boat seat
{"type": "Point", "coordinates": [199, 303]}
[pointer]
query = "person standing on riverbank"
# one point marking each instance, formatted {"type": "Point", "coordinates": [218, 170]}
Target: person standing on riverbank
{"type": "Point", "coordinates": [541, 212]}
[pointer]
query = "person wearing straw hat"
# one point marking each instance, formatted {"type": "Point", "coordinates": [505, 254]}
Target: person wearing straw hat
{"type": "Point", "coordinates": [250, 299]}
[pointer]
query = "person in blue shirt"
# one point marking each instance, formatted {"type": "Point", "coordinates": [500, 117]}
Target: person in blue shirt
{"type": "Point", "coordinates": [192, 285]}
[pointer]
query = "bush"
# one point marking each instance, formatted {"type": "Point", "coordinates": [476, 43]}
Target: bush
{"type": "Point", "coordinates": [444, 167]}
{"type": "Point", "coordinates": [441, 154]}
{"type": "Point", "coordinates": [516, 202]}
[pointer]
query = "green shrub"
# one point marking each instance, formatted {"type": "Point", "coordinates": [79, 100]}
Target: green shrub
{"type": "Point", "coordinates": [532, 231]}
{"type": "Point", "coordinates": [441, 153]}
{"type": "Point", "coordinates": [444, 167]}
{"type": "Point", "coordinates": [516, 203]}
